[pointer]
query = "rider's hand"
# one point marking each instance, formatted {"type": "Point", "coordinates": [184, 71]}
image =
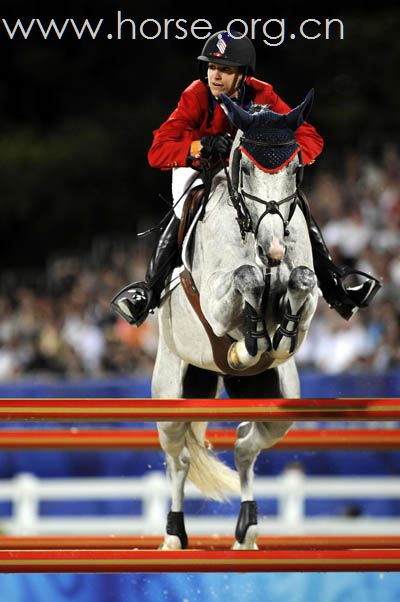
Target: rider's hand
{"type": "Point", "coordinates": [216, 147]}
{"type": "Point", "coordinates": [195, 149]}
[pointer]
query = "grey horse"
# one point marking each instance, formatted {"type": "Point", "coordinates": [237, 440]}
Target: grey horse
{"type": "Point", "coordinates": [251, 261]}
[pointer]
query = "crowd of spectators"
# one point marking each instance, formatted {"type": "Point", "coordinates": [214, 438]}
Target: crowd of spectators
{"type": "Point", "coordinates": [58, 322]}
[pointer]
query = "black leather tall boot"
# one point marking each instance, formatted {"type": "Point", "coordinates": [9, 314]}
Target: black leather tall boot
{"type": "Point", "coordinates": [345, 300]}
{"type": "Point", "coordinates": [135, 300]}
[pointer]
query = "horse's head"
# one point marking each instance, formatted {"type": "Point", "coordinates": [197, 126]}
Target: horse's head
{"type": "Point", "coordinates": [264, 166]}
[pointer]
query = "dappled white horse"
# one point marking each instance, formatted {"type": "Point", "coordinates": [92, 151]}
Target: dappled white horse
{"type": "Point", "coordinates": [250, 260]}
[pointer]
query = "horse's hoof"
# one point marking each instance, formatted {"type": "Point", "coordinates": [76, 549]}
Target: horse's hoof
{"type": "Point", "coordinates": [249, 542]}
{"type": "Point", "coordinates": [238, 357]}
{"type": "Point", "coordinates": [171, 542]}
{"type": "Point", "coordinates": [233, 358]}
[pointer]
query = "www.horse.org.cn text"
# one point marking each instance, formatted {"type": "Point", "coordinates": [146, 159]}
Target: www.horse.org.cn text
{"type": "Point", "coordinates": [272, 32]}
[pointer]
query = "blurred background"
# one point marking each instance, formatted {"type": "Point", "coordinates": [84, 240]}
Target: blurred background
{"type": "Point", "coordinates": [77, 118]}
{"type": "Point", "coordinates": [76, 122]}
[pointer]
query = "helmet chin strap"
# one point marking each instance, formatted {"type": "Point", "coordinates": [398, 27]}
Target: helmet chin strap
{"type": "Point", "coordinates": [238, 88]}
{"type": "Point", "coordinates": [239, 84]}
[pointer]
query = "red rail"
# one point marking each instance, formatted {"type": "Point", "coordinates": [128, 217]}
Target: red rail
{"type": "Point", "coordinates": [203, 542]}
{"type": "Point", "coordinates": [156, 561]}
{"type": "Point", "coordinates": [198, 409]}
{"type": "Point", "coordinates": [147, 439]}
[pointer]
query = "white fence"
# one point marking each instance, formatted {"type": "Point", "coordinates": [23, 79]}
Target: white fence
{"type": "Point", "coordinates": [291, 490]}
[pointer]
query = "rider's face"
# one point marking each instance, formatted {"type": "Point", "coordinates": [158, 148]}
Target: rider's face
{"type": "Point", "coordinates": [223, 79]}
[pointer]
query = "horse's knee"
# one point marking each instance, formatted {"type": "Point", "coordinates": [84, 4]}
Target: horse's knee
{"type": "Point", "coordinates": [249, 281]}
{"type": "Point", "coordinates": [302, 280]}
{"type": "Point", "coordinates": [302, 294]}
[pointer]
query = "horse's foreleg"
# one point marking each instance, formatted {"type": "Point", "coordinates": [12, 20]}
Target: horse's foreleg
{"type": "Point", "coordinates": [299, 305]}
{"type": "Point", "coordinates": [234, 295]}
{"type": "Point", "coordinates": [252, 437]}
{"type": "Point", "coordinates": [226, 293]}
{"type": "Point", "coordinates": [246, 352]}
{"type": "Point", "coordinates": [172, 440]}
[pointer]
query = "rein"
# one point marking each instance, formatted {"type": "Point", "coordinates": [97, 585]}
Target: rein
{"type": "Point", "coordinates": [271, 207]}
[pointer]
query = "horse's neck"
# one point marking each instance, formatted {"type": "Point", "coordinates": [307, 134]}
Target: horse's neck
{"type": "Point", "coordinates": [218, 244]}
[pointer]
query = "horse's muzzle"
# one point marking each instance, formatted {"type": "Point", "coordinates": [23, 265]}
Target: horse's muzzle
{"type": "Point", "coordinates": [274, 255]}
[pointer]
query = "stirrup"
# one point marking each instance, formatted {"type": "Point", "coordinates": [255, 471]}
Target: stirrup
{"type": "Point", "coordinates": [352, 298]}
{"type": "Point", "coordinates": [133, 303]}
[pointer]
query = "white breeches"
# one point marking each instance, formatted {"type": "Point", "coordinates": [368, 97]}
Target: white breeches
{"type": "Point", "coordinates": [183, 180]}
{"type": "Point", "coordinates": [186, 178]}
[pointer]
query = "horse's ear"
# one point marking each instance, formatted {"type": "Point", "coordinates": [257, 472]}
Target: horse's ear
{"type": "Point", "coordinates": [238, 116]}
{"type": "Point", "coordinates": [295, 118]}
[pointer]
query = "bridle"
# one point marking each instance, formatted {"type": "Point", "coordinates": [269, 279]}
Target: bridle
{"type": "Point", "coordinates": [272, 207]}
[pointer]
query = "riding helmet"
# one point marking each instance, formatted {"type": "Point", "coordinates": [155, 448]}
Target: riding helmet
{"type": "Point", "coordinates": [224, 49]}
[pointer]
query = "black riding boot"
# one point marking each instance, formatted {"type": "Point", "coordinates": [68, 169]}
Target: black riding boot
{"type": "Point", "coordinates": [345, 300]}
{"type": "Point", "coordinates": [134, 301]}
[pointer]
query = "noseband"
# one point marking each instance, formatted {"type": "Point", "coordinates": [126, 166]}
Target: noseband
{"type": "Point", "coordinates": [272, 207]}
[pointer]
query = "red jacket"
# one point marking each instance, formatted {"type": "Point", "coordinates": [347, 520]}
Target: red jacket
{"type": "Point", "coordinates": [191, 121]}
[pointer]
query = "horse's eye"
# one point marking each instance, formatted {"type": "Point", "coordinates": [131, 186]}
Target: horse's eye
{"type": "Point", "coordinates": [246, 169]}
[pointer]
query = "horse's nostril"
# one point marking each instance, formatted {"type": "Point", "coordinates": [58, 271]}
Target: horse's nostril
{"type": "Point", "coordinates": [260, 251]}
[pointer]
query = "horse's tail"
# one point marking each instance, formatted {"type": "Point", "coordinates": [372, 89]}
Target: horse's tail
{"type": "Point", "coordinates": [211, 476]}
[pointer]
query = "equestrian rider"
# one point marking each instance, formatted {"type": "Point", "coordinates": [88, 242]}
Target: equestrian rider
{"type": "Point", "coordinates": [198, 128]}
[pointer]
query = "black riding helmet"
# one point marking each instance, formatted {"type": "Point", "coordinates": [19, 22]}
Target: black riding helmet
{"type": "Point", "coordinates": [224, 49]}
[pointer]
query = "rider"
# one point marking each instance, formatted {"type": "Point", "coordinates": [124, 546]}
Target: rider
{"type": "Point", "coordinates": [199, 129]}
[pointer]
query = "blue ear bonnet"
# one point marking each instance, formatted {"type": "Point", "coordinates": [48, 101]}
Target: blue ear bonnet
{"type": "Point", "coordinates": [277, 146]}
{"type": "Point", "coordinates": [268, 137]}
